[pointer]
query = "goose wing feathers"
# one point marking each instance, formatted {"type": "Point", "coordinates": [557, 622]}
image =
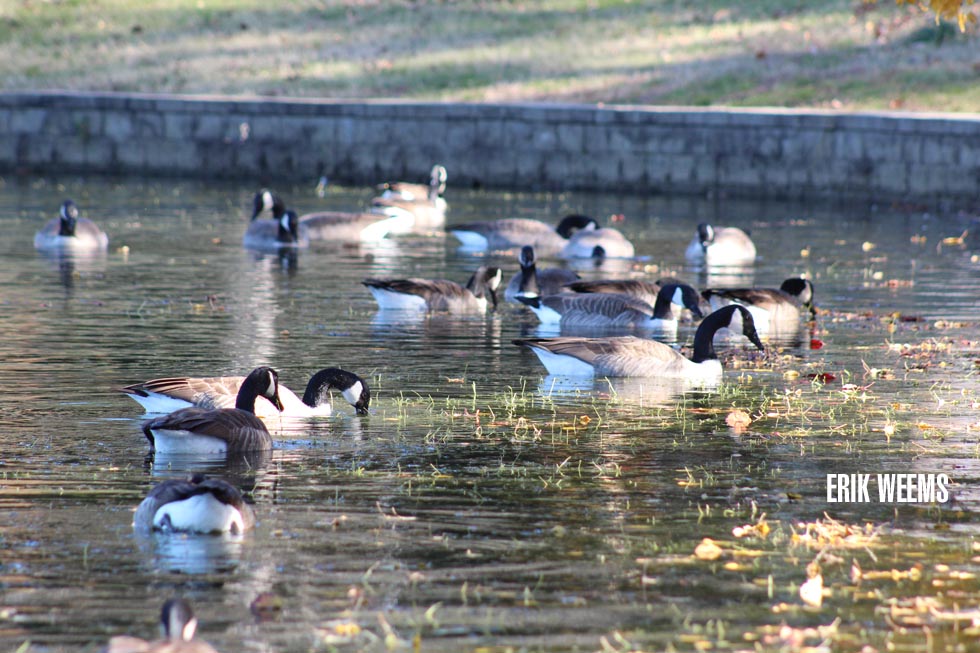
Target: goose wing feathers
{"type": "Point", "coordinates": [239, 429]}
{"type": "Point", "coordinates": [617, 356]}
{"type": "Point", "coordinates": [206, 392]}
{"type": "Point", "coordinates": [761, 297]}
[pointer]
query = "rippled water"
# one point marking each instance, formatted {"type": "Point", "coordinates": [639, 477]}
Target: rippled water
{"type": "Point", "coordinates": [481, 505]}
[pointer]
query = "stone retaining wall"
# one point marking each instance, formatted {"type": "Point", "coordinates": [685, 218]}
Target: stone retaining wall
{"type": "Point", "coordinates": [632, 149]}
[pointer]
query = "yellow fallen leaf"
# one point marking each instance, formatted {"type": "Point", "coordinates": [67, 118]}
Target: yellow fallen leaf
{"type": "Point", "coordinates": [707, 550]}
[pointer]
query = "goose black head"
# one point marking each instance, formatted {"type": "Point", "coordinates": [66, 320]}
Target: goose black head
{"type": "Point", "coordinates": [264, 200]}
{"type": "Point", "coordinates": [706, 234]}
{"type": "Point", "coordinates": [748, 326]}
{"type": "Point", "coordinates": [69, 218]}
{"type": "Point", "coordinates": [680, 294]}
{"type": "Point", "coordinates": [353, 387]}
{"type": "Point", "coordinates": [802, 290]}
{"type": "Point", "coordinates": [177, 620]}
{"type": "Point", "coordinates": [264, 382]}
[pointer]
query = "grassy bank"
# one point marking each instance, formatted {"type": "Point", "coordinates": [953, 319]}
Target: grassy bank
{"type": "Point", "coordinates": [810, 53]}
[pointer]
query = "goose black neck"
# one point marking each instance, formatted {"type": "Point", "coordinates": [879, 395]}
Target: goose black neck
{"type": "Point", "coordinates": [253, 386]}
{"type": "Point", "coordinates": [704, 345]}
{"type": "Point", "coordinates": [662, 309]}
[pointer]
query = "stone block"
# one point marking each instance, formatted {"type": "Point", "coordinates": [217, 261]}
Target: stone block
{"type": "Point", "coordinates": [179, 126]}
{"type": "Point", "coordinates": [118, 126]}
{"type": "Point", "coordinates": [28, 121]}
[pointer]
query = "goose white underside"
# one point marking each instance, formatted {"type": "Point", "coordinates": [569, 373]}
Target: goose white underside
{"type": "Point", "coordinates": [471, 240]}
{"type": "Point", "coordinates": [166, 441]}
{"type": "Point", "coordinates": [396, 301]}
{"type": "Point", "coordinates": [56, 243]}
{"type": "Point", "coordinates": [158, 403]}
{"type": "Point", "coordinates": [399, 221]}
{"type": "Point", "coordinates": [201, 513]}
{"type": "Point", "coordinates": [547, 315]}
{"type": "Point", "coordinates": [562, 365]}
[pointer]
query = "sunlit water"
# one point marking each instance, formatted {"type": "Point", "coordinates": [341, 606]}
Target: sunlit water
{"type": "Point", "coordinates": [482, 504]}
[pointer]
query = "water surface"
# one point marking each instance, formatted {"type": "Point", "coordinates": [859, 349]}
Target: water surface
{"type": "Point", "coordinates": [482, 504]}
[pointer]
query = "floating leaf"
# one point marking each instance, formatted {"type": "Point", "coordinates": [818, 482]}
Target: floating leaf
{"type": "Point", "coordinates": [707, 550]}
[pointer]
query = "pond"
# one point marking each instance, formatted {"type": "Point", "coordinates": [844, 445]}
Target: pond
{"type": "Point", "coordinates": [483, 505]}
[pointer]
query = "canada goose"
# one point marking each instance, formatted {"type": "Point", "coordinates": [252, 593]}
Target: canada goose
{"type": "Point", "coordinates": [411, 192]}
{"type": "Point", "coordinates": [599, 243]}
{"type": "Point", "coordinates": [609, 309]}
{"type": "Point", "coordinates": [771, 308]}
{"type": "Point", "coordinates": [512, 233]}
{"type": "Point", "coordinates": [411, 215]}
{"type": "Point", "coordinates": [531, 282]}
{"type": "Point", "coordinates": [279, 234]}
{"type": "Point", "coordinates": [178, 623]}
{"type": "Point", "coordinates": [333, 226]}
{"type": "Point", "coordinates": [197, 430]}
{"type": "Point", "coordinates": [437, 295]}
{"type": "Point", "coordinates": [719, 246]}
{"type": "Point", "coordinates": [423, 202]}
{"type": "Point", "coordinates": [70, 233]}
{"type": "Point", "coordinates": [194, 505]}
{"type": "Point", "coordinates": [632, 356]}
{"type": "Point", "coordinates": [174, 393]}
{"type": "Point", "coordinates": [646, 291]}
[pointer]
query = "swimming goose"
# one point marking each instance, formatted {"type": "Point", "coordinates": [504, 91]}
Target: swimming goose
{"type": "Point", "coordinates": [531, 282]}
{"type": "Point", "coordinates": [719, 246]}
{"type": "Point", "coordinates": [610, 309]}
{"type": "Point", "coordinates": [632, 356]}
{"type": "Point", "coordinates": [771, 308]}
{"type": "Point", "coordinates": [178, 623]}
{"type": "Point", "coordinates": [169, 394]}
{"type": "Point", "coordinates": [194, 505]}
{"type": "Point", "coordinates": [512, 233]}
{"type": "Point", "coordinates": [69, 232]}
{"type": "Point", "coordinates": [197, 430]}
{"type": "Point", "coordinates": [334, 226]}
{"type": "Point", "coordinates": [439, 294]}
{"type": "Point", "coordinates": [408, 191]}
{"type": "Point", "coordinates": [423, 203]}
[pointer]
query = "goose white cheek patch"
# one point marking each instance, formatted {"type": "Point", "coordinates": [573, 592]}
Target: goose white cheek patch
{"type": "Point", "coordinates": [353, 393]}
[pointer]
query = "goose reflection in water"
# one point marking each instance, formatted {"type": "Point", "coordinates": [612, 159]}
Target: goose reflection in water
{"type": "Point", "coordinates": [636, 391]}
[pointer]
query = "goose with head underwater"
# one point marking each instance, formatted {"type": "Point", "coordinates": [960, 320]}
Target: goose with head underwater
{"type": "Point", "coordinates": [511, 234]}
{"type": "Point", "coordinates": [178, 625]}
{"type": "Point", "coordinates": [720, 246]}
{"type": "Point", "coordinates": [438, 295]}
{"type": "Point", "coordinates": [597, 242]}
{"type": "Point", "coordinates": [629, 356]}
{"type": "Point", "coordinates": [194, 505]}
{"type": "Point", "coordinates": [615, 310]}
{"type": "Point", "coordinates": [70, 233]}
{"type": "Point", "coordinates": [197, 430]}
{"type": "Point", "coordinates": [423, 205]}
{"type": "Point", "coordinates": [532, 282]}
{"type": "Point", "coordinates": [173, 393]}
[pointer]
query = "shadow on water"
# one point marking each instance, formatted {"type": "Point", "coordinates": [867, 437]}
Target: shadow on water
{"type": "Point", "coordinates": [483, 504]}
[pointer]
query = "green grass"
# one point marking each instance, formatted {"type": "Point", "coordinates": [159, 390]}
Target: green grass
{"type": "Point", "coordinates": [827, 53]}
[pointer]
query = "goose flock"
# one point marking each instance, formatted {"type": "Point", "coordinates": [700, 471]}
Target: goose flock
{"type": "Point", "coordinates": [607, 327]}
